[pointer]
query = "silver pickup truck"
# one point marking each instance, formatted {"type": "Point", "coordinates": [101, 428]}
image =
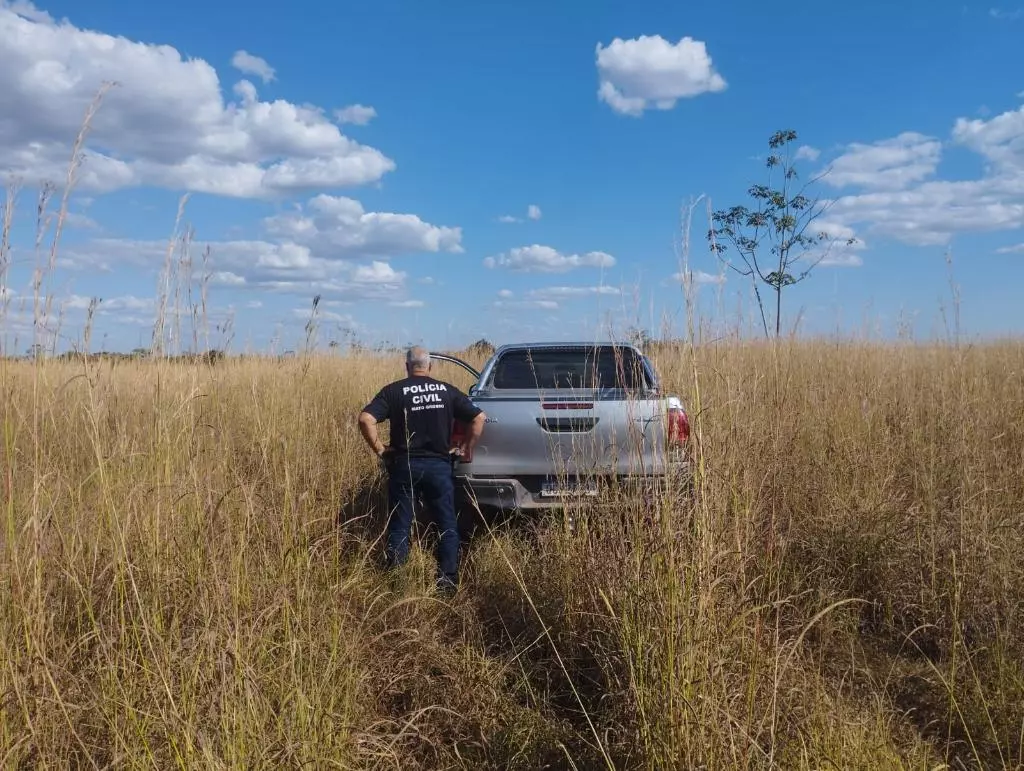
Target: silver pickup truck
{"type": "Point", "coordinates": [563, 421]}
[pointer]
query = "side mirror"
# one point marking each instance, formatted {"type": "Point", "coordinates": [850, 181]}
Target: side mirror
{"type": "Point", "coordinates": [473, 389]}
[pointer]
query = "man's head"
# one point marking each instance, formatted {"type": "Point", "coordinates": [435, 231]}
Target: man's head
{"type": "Point", "coordinates": [417, 361]}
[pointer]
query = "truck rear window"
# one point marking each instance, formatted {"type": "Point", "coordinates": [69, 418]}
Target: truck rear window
{"type": "Point", "coordinates": [569, 368]}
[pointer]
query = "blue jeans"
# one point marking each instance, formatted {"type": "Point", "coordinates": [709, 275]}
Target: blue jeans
{"type": "Point", "coordinates": [407, 478]}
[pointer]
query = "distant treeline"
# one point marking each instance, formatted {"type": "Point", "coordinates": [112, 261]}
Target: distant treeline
{"type": "Point", "coordinates": [482, 348]}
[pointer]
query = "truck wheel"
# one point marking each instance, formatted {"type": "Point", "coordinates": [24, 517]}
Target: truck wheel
{"type": "Point", "coordinates": [468, 518]}
{"type": "Point", "coordinates": [466, 513]}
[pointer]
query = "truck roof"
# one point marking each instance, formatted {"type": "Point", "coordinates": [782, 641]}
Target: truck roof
{"type": "Point", "coordinates": [564, 344]}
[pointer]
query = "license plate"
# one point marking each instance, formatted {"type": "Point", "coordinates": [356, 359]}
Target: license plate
{"type": "Point", "coordinates": [556, 489]}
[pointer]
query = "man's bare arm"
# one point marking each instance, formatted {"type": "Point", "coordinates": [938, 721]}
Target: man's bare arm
{"type": "Point", "coordinates": [368, 428]}
{"type": "Point", "coordinates": [476, 429]}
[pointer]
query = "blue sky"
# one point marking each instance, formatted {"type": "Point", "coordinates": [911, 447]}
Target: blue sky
{"type": "Point", "coordinates": [370, 154]}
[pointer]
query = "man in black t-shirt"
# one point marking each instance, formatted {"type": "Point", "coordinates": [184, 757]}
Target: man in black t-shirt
{"type": "Point", "coordinates": [421, 411]}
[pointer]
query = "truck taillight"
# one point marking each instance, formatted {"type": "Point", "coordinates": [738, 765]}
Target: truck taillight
{"type": "Point", "coordinates": [678, 425]}
{"type": "Point", "coordinates": [458, 435]}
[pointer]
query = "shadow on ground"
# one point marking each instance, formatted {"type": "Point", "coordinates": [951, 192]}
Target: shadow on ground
{"type": "Point", "coordinates": [363, 517]}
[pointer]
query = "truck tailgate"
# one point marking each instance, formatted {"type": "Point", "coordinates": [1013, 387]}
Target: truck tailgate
{"type": "Point", "coordinates": [579, 434]}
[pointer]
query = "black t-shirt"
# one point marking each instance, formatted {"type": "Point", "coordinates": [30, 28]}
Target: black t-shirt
{"type": "Point", "coordinates": [421, 410]}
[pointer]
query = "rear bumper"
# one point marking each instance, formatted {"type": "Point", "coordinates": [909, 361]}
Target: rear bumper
{"type": "Point", "coordinates": [523, 494]}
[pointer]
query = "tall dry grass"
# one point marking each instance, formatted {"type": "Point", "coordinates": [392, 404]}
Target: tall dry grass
{"type": "Point", "coordinates": [189, 551]}
{"type": "Point", "coordinates": [843, 589]}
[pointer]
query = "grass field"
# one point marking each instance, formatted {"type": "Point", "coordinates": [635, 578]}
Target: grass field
{"type": "Point", "coordinates": [843, 591]}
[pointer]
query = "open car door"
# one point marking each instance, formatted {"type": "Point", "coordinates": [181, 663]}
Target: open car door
{"type": "Point", "coordinates": [458, 428]}
{"type": "Point", "coordinates": [456, 361]}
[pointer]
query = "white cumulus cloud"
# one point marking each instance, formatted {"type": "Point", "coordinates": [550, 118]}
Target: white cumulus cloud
{"type": "Point", "coordinates": [807, 153]}
{"type": "Point", "coordinates": [248, 64]}
{"type": "Point", "coordinates": [1000, 140]}
{"type": "Point", "coordinates": [840, 248]}
{"type": "Point", "coordinates": [890, 164]}
{"type": "Point", "coordinates": [545, 259]}
{"type": "Point", "coordinates": [356, 114]}
{"type": "Point", "coordinates": [114, 305]}
{"type": "Point", "coordinates": [1015, 249]}
{"type": "Point", "coordinates": [339, 226]}
{"type": "Point", "coordinates": [226, 278]}
{"type": "Point", "coordinates": [1003, 14]}
{"type": "Point", "coordinates": [533, 212]}
{"type": "Point", "coordinates": [330, 246]}
{"type": "Point", "coordinates": [550, 305]}
{"type": "Point", "coordinates": [548, 298]}
{"type": "Point", "coordinates": [342, 320]}
{"type": "Point", "coordinates": [903, 203]}
{"type": "Point", "coordinates": [566, 292]}
{"type": "Point", "coordinates": [165, 123]}
{"type": "Point", "coordinates": [649, 72]}
{"type": "Point", "coordinates": [269, 266]}
{"type": "Point", "coordinates": [698, 277]}
{"type": "Point", "coordinates": [377, 273]}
